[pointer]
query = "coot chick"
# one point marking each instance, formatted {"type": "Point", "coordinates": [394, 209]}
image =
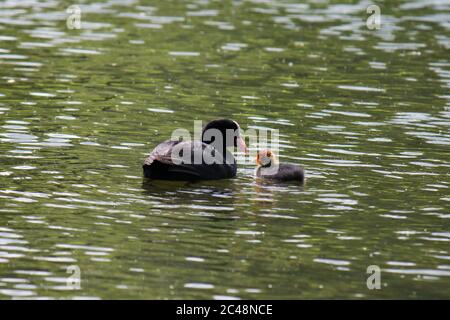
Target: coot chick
{"type": "Point", "coordinates": [269, 168]}
{"type": "Point", "coordinates": [207, 159]}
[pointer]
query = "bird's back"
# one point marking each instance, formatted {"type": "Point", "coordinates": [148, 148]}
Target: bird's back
{"type": "Point", "coordinates": [285, 172]}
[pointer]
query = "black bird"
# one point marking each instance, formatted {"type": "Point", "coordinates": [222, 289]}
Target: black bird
{"type": "Point", "coordinates": [208, 159]}
{"type": "Point", "coordinates": [269, 168]}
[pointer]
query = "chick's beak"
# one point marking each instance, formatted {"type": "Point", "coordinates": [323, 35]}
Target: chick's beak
{"type": "Point", "coordinates": [241, 145]}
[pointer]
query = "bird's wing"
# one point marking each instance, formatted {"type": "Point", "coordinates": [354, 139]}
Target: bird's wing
{"type": "Point", "coordinates": [186, 152]}
{"type": "Point", "coordinates": [162, 152]}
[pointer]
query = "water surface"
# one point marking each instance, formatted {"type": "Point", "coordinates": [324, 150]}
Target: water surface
{"type": "Point", "coordinates": [366, 112]}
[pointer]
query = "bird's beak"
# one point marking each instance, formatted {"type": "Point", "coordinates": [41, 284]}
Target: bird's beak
{"type": "Point", "coordinates": [241, 145]}
{"type": "Point", "coordinates": [258, 161]}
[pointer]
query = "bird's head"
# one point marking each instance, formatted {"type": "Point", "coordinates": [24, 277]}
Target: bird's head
{"type": "Point", "coordinates": [265, 158]}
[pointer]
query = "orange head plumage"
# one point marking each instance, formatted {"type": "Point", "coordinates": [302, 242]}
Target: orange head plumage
{"type": "Point", "coordinates": [265, 158]}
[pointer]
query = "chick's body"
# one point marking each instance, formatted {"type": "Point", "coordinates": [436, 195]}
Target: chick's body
{"type": "Point", "coordinates": [269, 168]}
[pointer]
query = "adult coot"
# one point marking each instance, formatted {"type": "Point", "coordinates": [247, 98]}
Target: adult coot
{"type": "Point", "coordinates": [207, 159]}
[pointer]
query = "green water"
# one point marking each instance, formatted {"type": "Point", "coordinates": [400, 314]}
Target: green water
{"type": "Point", "coordinates": [366, 112]}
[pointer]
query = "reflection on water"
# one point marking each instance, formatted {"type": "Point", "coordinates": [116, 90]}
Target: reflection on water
{"type": "Point", "coordinates": [366, 112]}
